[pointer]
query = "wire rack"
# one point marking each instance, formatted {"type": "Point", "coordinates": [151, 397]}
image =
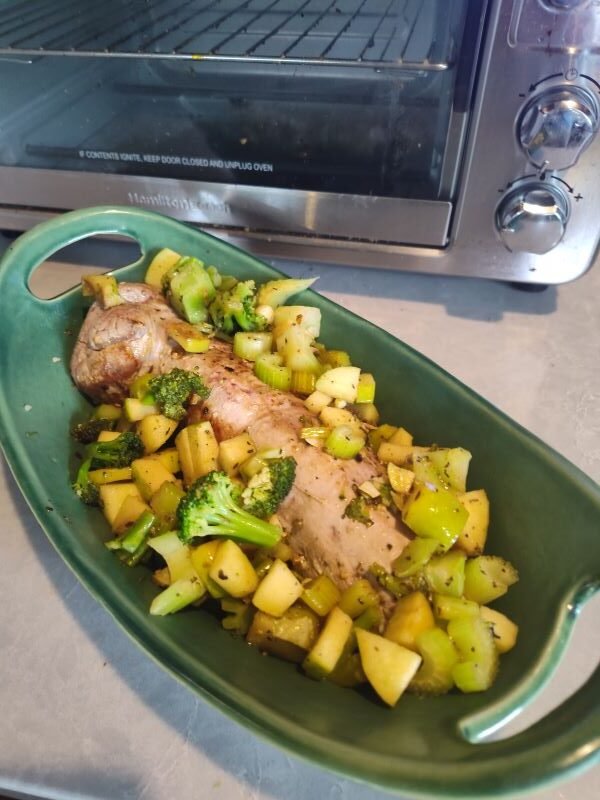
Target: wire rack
{"type": "Point", "coordinates": [406, 34]}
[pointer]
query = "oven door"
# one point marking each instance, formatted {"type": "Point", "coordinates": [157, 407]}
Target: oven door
{"type": "Point", "coordinates": [340, 119]}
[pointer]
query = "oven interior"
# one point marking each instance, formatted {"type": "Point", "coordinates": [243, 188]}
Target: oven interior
{"type": "Point", "coordinates": [343, 96]}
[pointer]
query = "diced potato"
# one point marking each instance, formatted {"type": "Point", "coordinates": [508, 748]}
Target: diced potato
{"type": "Point", "coordinates": [134, 410]}
{"type": "Point", "coordinates": [162, 262]}
{"type": "Point", "coordinates": [332, 417]}
{"type": "Point", "coordinates": [382, 433]}
{"type": "Point", "coordinates": [340, 382]}
{"type": "Point", "coordinates": [110, 475]}
{"type": "Point", "coordinates": [504, 630]}
{"type": "Point", "coordinates": [169, 458]}
{"type": "Point", "coordinates": [154, 430]}
{"type": "Point", "coordinates": [366, 412]}
{"type": "Point", "coordinates": [112, 496]}
{"type": "Point", "coordinates": [278, 590]}
{"type": "Point", "coordinates": [328, 648]}
{"type": "Point", "coordinates": [232, 570]}
{"type": "Point", "coordinates": [306, 317]}
{"type": "Point", "coordinates": [235, 451]}
{"type": "Point", "coordinates": [290, 636]}
{"type": "Point", "coordinates": [473, 536]}
{"type": "Point", "coordinates": [149, 475]}
{"type": "Point", "coordinates": [131, 510]}
{"type": "Point", "coordinates": [317, 401]}
{"type": "Point", "coordinates": [203, 557]}
{"type": "Point", "coordinates": [389, 666]}
{"type": "Point", "coordinates": [198, 450]}
{"type": "Point", "coordinates": [411, 616]}
{"type": "Point", "coordinates": [401, 436]}
{"type": "Point", "coordinates": [108, 436]}
{"type": "Point", "coordinates": [400, 454]}
{"type": "Point", "coordinates": [204, 448]}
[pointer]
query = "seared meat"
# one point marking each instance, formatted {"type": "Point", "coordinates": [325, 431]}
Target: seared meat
{"type": "Point", "coordinates": [119, 343]}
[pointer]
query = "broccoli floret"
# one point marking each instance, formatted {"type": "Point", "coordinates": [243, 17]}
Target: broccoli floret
{"type": "Point", "coordinates": [358, 510]}
{"type": "Point", "coordinates": [84, 488]}
{"type": "Point", "coordinates": [210, 508]}
{"type": "Point", "coordinates": [268, 488]}
{"type": "Point", "coordinates": [87, 432]}
{"type": "Point", "coordinates": [119, 452]}
{"type": "Point", "coordinates": [235, 309]}
{"type": "Point", "coordinates": [173, 390]}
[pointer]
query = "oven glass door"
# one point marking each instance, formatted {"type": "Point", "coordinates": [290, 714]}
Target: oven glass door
{"type": "Point", "coordinates": [304, 98]}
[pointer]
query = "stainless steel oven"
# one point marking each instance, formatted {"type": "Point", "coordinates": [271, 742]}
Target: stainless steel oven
{"type": "Point", "coordinates": [445, 136]}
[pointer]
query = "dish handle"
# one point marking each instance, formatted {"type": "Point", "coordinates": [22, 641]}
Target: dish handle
{"type": "Point", "coordinates": [26, 253]}
{"type": "Point", "coordinates": [569, 735]}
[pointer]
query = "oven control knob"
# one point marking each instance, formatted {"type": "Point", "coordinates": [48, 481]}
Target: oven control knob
{"type": "Point", "coordinates": [532, 217]}
{"type": "Point", "coordinates": [557, 125]}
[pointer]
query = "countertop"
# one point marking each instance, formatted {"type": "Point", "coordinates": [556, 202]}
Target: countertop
{"type": "Point", "coordinates": [86, 714]}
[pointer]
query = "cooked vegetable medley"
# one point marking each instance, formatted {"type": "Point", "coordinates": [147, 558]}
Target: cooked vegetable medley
{"type": "Point", "coordinates": [199, 507]}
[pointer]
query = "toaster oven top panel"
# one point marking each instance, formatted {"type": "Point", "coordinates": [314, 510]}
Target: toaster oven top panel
{"type": "Point", "coordinates": [403, 34]}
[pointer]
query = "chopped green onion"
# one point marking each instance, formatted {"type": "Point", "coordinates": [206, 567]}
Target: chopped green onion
{"type": "Point", "coordinates": [303, 382]}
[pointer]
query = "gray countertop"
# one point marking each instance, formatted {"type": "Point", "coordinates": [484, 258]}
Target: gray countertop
{"type": "Point", "coordinates": [85, 713]}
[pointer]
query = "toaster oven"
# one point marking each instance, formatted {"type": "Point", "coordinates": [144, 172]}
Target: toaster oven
{"type": "Point", "coordinates": [443, 136]}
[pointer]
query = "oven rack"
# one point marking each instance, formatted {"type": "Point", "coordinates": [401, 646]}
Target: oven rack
{"type": "Point", "coordinates": [400, 34]}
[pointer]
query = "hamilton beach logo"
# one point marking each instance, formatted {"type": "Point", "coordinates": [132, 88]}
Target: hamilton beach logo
{"type": "Point", "coordinates": [160, 200]}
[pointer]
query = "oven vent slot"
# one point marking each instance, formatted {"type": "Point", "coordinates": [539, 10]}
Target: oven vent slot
{"type": "Point", "coordinates": [390, 34]}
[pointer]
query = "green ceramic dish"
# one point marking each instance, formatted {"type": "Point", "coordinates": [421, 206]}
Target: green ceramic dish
{"type": "Point", "coordinates": [545, 519]}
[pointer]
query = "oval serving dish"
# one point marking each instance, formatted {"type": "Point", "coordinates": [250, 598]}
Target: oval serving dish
{"type": "Point", "coordinates": [545, 520]}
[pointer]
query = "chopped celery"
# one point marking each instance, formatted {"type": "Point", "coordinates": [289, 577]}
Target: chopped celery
{"type": "Point", "coordinates": [321, 595]}
{"type": "Point", "coordinates": [371, 619]}
{"type": "Point", "coordinates": [365, 392]}
{"type": "Point", "coordinates": [439, 655]}
{"type": "Point", "coordinates": [178, 595]}
{"type": "Point", "coordinates": [140, 386]}
{"type": "Point", "coordinates": [164, 503]}
{"type": "Point", "coordinates": [238, 615]}
{"type": "Point", "coordinates": [359, 596]}
{"type": "Point", "coordinates": [303, 382]}
{"type": "Point", "coordinates": [414, 557]}
{"type": "Point", "coordinates": [335, 358]}
{"type": "Point", "coordinates": [446, 573]}
{"type": "Point", "coordinates": [176, 554]}
{"type": "Point", "coordinates": [446, 607]}
{"type": "Point", "coordinates": [251, 344]}
{"type": "Point", "coordinates": [104, 289]}
{"type": "Point", "coordinates": [478, 657]}
{"type": "Point", "coordinates": [139, 532]}
{"type": "Point", "coordinates": [276, 293]}
{"type": "Point", "coordinates": [269, 368]}
{"type": "Point", "coordinates": [344, 441]}
{"type": "Point", "coordinates": [190, 289]}
{"type": "Point", "coordinates": [487, 578]}
{"type": "Point", "coordinates": [435, 514]}
{"type": "Point", "coordinates": [188, 338]}
{"type": "Point", "coordinates": [452, 464]}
